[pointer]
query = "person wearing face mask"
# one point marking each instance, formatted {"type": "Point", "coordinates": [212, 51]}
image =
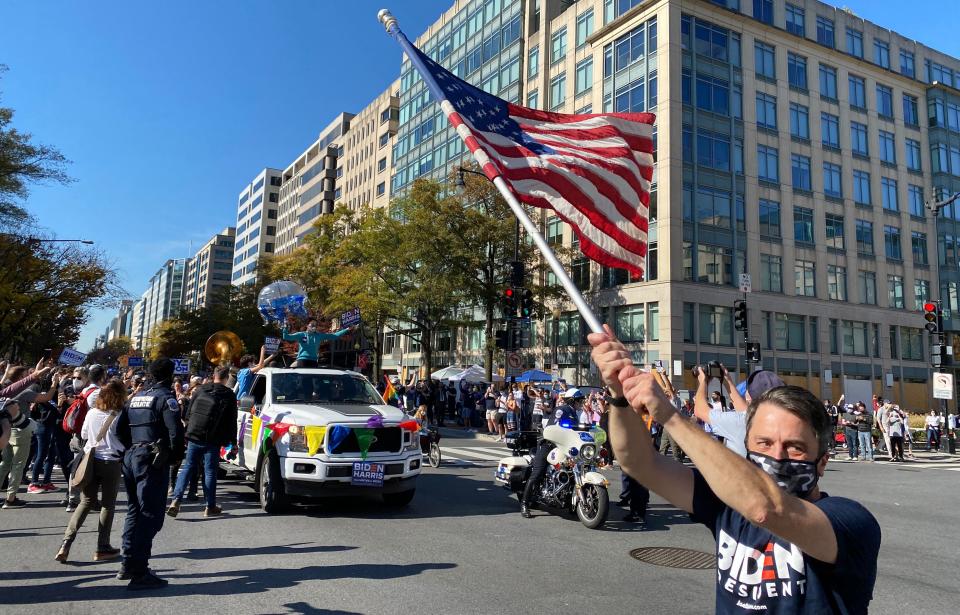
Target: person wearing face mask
{"type": "Point", "coordinates": [309, 342]}
{"type": "Point", "coordinates": [782, 545]}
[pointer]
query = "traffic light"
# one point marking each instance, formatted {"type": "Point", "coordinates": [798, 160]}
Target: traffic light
{"type": "Point", "coordinates": [753, 352]}
{"type": "Point", "coordinates": [515, 339]}
{"type": "Point", "coordinates": [740, 315]}
{"type": "Point", "coordinates": [939, 354]}
{"type": "Point", "coordinates": [932, 314]}
{"type": "Point", "coordinates": [526, 303]}
{"type": "Point", "coordinates": [509, 303]}
{"type": "Point", "coordinates": [500, 339]}
{"type": "Point", "coordinates": [517, 273]}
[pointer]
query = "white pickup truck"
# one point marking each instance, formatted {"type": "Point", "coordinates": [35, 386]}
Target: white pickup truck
{"type": "Point", "coordinates": [331, 399]}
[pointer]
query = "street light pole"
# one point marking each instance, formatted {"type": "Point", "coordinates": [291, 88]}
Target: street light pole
{"type": "Point", "coordinates": [934, 206]}
{"type": "Point", "coordinates": [30, 239]}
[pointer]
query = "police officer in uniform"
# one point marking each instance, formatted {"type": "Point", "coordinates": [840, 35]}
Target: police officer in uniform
{"type": "Point", "coordinates": [566, 411]}
{"type": "Point", "coordinates": [150, 427]}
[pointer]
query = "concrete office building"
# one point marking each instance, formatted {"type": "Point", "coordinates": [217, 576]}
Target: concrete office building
{"type": "Point", "coordinates": [257, 209]}
{"type": "Point", "coordinates": [162, 300]}
{"type": "Point", "coordinates": [363, 175]}
{"type": "Point", "coordinates": [209, 269]}
{"type": "Point", "coordinates": [121, 324]}
{"type": "Point", "coordinates": [308, 185]}
{"type": "Point", "coordinates": [792, 138]}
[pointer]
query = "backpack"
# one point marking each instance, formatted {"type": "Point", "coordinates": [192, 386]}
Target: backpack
{"type": "Point", "coordinates": [77, 412]}
{"type": "Point", "coordinates": [205, 411]}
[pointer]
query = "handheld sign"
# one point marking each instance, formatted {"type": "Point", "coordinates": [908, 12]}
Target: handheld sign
{"type": "Point", "coordinates": [272, 344]}
{"type": "Point", "coordinates": [181, 367]}
{"type": "Point", "coordinates": [69, 356]}
{"type": "Point", "coordinates": [350, 318]}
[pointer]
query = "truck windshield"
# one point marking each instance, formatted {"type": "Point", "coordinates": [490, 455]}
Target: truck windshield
{"type": "Point", "coordinates": [295, 387]}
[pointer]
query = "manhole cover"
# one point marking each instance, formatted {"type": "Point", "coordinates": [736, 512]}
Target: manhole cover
{"type": "Point", "coordinates": [675, 557]}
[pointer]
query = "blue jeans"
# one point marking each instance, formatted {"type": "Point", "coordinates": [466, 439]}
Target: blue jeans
{"type": "Point", "coordinates": [52, 444]}
{"type": "Point", "coordinates": [209, 456]}
{"type": "Point", "coordinates": [866, 444]}
{"type": "Point", "coordinates": [850, 435]}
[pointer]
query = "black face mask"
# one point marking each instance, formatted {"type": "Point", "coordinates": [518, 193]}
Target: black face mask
{"type": "Point", "coordinates": [795, 477]}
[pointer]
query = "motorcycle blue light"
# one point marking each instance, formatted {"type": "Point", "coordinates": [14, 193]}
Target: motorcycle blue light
{"type": "Point", "coordinates": [573, 452]}
{"type": "Point", "coordinates": [566, 424]}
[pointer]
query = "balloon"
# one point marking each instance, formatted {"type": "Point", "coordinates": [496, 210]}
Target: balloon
{"type": "Point", "coordinates": [281, 299]}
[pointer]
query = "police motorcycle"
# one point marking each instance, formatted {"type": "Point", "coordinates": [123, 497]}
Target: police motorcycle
{"type": "Point", "coordinates": [572, 481]}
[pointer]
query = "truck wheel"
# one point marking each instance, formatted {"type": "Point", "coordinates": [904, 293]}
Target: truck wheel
{"type": "Point", "coordinates": [273, 497]}
{"type": "Point", "coordinates": [400, 499]}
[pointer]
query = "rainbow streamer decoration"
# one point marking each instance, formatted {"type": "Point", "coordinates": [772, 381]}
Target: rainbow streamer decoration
{"type": "Point", "coordinates": [389, 393]}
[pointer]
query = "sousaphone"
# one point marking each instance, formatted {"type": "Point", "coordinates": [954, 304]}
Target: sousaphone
{"type": "Point", "coordinates": [223, 348]}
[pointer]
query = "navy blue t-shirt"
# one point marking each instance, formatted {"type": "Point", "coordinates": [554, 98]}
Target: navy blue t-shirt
{"type": "Point", "coordinates": [759, 572]}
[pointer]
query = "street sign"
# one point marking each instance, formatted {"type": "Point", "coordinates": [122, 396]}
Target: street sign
{"type": "Point", "coordinates": [69, 356]}
{"type": "Point", "coordinates": [746, 285]}
{"type": "Point", "coordinates": [181, 367]}
{"type": "Point", "coordinates": [514, 364]}
{"type": "Point", "coordinates": [942, 385]}
{"type": "Point", "coordinates": [350, 318]}
{"type": "Point", "coordinates": [135, 362]}
{"type": "Point", "coordinates": [271, 344]}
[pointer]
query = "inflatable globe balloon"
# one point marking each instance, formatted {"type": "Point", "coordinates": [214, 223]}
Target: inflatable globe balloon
{"type": "Point", "coordinates": [281, 299]}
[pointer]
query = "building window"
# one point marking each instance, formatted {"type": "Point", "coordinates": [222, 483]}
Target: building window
{"type": "Point", "coordinates": [921, 293]}
{"type": "Point", "coordinates": [712, 94]}
{"type": "Point", "coordinates": [800, 172]}
{"type": "Point", "coordinates": [771, 273]}
{"type": "Point", "coordinates": [832, 186]}
{"type": "Point", "coordinates": [272, 214]}
{"type": "Point", "coordinates": [895, 290]}
{"type": "Point", "coordinates": [834, 225]}
{"type": "Point", "coordinates": [884, 101]}
{"type": "Point", "coordinates": [888, 192]}
{"type": "Point", "coordinates": [855, 43]}
{"type": "Point", "coordinates": [763, 11]}
{"type": "Point", "coordinates": [533, 99]}
{"type": "Point", "coordinates": [865, 237]}
{"type": "Point", "coordinates": [907, 64]}
{"type": "Point", "coordinates": [769, 218]}
{"type": "Point", "coordinates": [830, 130]}
{"type": "Point", "coordinates": [867, 287]}
{"type": "Point", "coordinates": [768, 164]}
{"type": "Point", "coordinates": [653, 322]}
{"type": "Point", "coordinates": [766, 111]}
{"type": "Point", "coordinates": [584, 76]}
{"type": "Point", "coordinates": [558, 45]}
{"type": "Point", "coordinates": [915, 200]}
{"type": "Point", "coordinates": [918, 243]}
{"type": "Point", "coordinates": [712, 41]}
{"type": "Point", "coordinates": [630, 323]}
{"type": "Point", "coordinates": [764, 60]}
{"type": "Point", "coordinates": [713, 150]}
{"type": "Point", "coordinates": [804, 277]}
{"type": "Point", "coordinates": [788, 332]}
{"type": "Point", "coordinates": [861, 188]}
{"type": "Point", "coordinates": [836, 283]}
{"type": "Point", "coordinates": [911, 344]}
{"type": "Point", "coordinates": [799, 121]}
{"type": "Point", "coordinates": [795, 19]}
{"type": "Point", "coordinates": [381, 188]}
{"type": "Point", "coordinates": [689, 321]}
{"type": "Point", "coordinates": [911, 115]}
{"type": "Point", "coordinates": [913, 155]}
{"type": "Point", "coordinates": [716, 325]}
{"type": "Point", "coordinates": [584, 27]}
{"type": "Point", "coordinates": [888, 148]}
{"type": "Point", "coordinates": [533, 62]}
{"type": "Point", "coordinates": [825, 31]}
{"type": "Point", "coordinates": [891, 243]}
{"type": "Point", "coordinates": [828, 82]}
{"type": "Point", "coordinates": [384, 139]}
{"type": "Point", "coordinates": [803, 225]}
{"type": "Point", "coordinates": [858, 139]}
{"type": "Point", "coordinates": [881, 53]}
{"type": "Point", "coordinates": [381, 165]}
{"type": "Point", "coordinates": [797, 71]}
{"type": "Point", "coordinates": [554, 231]}
{"type": "Point", "coordinates": [858, 92]}
{"type": "Point", "coordinates": [558, 86]}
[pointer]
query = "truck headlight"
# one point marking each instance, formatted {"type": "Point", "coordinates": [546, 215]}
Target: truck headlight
{"type": "Point", "coordinates": [588, 452]}
{"type": "Point", "coordinates": [297, 440]}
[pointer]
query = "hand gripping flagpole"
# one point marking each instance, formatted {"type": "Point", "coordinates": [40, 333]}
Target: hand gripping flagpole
{"type": "Point", "coordinates": [393, 29]}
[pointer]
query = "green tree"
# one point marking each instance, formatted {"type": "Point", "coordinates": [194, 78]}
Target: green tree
{"type": "Point", "coordinates": [111, 352]}
{"type": "Point", "coordinates": [23, 163]}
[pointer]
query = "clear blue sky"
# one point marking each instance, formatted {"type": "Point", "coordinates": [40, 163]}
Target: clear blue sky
{"type": "Point", "coordinates": [168, 108]}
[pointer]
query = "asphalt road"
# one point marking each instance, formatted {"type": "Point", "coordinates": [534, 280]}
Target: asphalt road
{"type": "Point", "coordinates": [460, 547]}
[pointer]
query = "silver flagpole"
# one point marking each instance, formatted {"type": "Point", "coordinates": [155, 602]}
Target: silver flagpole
{"type": "Point", "coordinates": [392, 27]}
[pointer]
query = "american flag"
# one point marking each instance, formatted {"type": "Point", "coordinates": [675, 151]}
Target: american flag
{"type": "Point", "coordinates": [593, 170]}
